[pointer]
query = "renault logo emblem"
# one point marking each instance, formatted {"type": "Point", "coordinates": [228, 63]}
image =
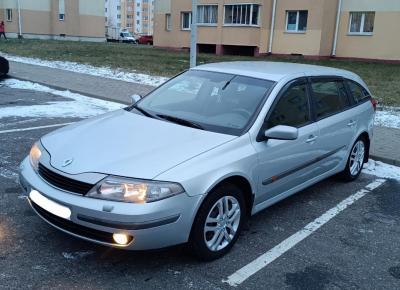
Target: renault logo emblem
{"type": "Point", "coordinates": [67, 162]}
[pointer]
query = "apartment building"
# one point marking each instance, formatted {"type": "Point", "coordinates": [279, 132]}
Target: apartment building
{"type": "Point", "coordinates": [137, 16]}
{"type": "Point", "coordinates": [365, 29]}
{"type": "Point", "coordinates": [54, 19]}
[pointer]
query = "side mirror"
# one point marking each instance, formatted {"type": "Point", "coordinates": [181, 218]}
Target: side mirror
{"type": "Point", "coordinates": [282, 132]}
{"type": "Point", "coordinates": [135, 98]}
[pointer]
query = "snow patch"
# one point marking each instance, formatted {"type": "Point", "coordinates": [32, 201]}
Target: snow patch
{"type": "Point", "coordinates": [105, 72]}
{"type": "Point", "coordinates": [80, 106]}
{"type": "Point", "coordinates": [389, 117]}
{"type": "Point", "coordinates": [76, 255]}
{"type": "Point", "coordinates": [382, 170]}
{"type": "Point", "coordinates": [9, 174]}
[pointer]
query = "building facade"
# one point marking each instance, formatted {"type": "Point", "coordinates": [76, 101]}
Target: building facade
{"type": "Point", "coordinates": [54, 19]}
{"type": "Point", "coordinates": [316, 28]}
{"type": "Point", "coordinates": [137, 16]}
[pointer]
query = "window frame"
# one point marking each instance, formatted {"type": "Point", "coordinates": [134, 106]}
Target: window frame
{"type": "Point", "coordinates": [297, 22]}
{"type": "Point", "coordinates": [361, 32]}
{"type": "Point", "coordinates": [9, 12]}
{"type": "Point", "coordinates": [251, 15]}
{"type": "Point", "coordinates": [350, 103]}
{"type": "Point", "coordinates": [207, 24]}
{"type": "Point", "coordinates": [190, 20]}
{"type": "Point", "coordinates": [168, 22]}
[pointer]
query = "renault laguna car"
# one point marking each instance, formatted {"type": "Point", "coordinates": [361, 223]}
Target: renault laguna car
{"type": "Point", "coordinates": [189, 162]}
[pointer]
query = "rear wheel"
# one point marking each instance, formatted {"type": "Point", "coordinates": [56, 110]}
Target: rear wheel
{"type": "Point", "coordinates": [356, 160]}
{"type": "Point", "coordinates": [218, 223]}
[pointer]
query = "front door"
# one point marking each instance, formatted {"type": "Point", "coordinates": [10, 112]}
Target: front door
{"type": "Point", "coordinates": [285, 164]}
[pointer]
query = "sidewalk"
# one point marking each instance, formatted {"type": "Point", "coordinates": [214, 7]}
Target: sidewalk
{"type": "Point", "coordinates": [84, 84]}
{"type": "Point", "coordinates": [385, 145]}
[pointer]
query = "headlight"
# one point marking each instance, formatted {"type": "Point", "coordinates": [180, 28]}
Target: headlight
{"type": "Point", "coordinates": [134, 190]}
{"type": "Point", "coordinates": [34, 155]}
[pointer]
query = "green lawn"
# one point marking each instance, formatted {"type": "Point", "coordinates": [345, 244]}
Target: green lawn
{"type": "Point", "coordinates": [383, 79]}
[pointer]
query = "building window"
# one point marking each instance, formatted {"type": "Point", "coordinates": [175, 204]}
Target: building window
{"type": "Point", "coordinates": [168, 23]}
{"type": "Point", "coordinates": [296, 21]}
{"type": "Point", "coordinates": [242, 14]}
{"type": "Point", "coordinates": [361, 22]}
{"type": "Point", "coordinates": [186, 20]}
{"type": "Point", "coordinates": [9, 14]}
{"type": "Point", "coordinates": [207, 14]}
{"type": "Point", "coordinates": [61, 10]}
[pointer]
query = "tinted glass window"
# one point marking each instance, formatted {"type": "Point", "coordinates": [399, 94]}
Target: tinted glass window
{"type": "Point", "coordinates": [292, 108]}
{"type": "Point", "coordinates": [329, 97]}
{"type": "Point", "coordinates": [358, 92]}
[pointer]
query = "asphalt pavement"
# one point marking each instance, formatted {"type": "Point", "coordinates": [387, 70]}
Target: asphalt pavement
{"type": "Point", "coordinates": [357, 248]}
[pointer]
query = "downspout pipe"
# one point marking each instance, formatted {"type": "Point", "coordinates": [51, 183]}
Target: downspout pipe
{"type": "Point", "coordinates": [271, 34]}
{"type": "Point", "coordinates": [339, 11]}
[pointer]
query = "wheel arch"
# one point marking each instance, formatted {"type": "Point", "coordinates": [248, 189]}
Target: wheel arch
{"type": "Point", "coordinates": [367, 139]}
{"type": "Point", "coordinates": [240, 181]}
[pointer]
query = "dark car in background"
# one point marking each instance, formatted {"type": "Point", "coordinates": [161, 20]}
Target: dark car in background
{"type": "Point", "coordinates": [4, 66]}
{"type": "Point", "coordinates": [146, 39]}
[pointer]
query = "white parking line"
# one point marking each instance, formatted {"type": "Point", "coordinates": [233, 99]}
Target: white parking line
{"type": "Point", "coordinates": [264, 260]}
{"type": "Point", "coordinates": [34, 128]}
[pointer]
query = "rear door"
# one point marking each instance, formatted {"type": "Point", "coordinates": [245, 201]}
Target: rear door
{"type": "Point", "coordinates": [336, 120]}
{"type": "Point", "coordinates": [364, 110]}
{"type": "Point", "coordinates": [284, 164]}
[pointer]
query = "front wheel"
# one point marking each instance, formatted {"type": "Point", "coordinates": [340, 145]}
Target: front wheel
{"type": "Point", "coordinates": [218, 223]}
{"type": "Point", "coordinates": [355, 161]}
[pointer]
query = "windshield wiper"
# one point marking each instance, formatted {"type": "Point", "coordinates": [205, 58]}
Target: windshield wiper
{"type": "Point", "coordinates": [180, 121]}
{"type": "Point", "coordinates": [143, 111]}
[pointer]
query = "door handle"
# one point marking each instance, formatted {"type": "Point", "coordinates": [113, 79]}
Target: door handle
{"type": "Point", "coordinates": [311, 139]}
{"type": "Point", "coordinates": [351, 123]}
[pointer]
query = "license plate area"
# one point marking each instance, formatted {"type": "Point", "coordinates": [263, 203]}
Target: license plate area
{"type": "Point", "coordinates": [49, 205]}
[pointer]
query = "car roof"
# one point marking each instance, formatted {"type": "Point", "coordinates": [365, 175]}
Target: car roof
{"type": "Point", "coordinates": [274, 71]}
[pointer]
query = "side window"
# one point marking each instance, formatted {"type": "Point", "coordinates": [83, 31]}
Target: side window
{"type": "Point", "coordinates": [329, 97]}
{"type": "Point", "coordinates": [358, 93]}
{"type": "Point", "coordinates": [292, 108]}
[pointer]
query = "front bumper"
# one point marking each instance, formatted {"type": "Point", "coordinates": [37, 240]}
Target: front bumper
{"type": "Point", "coordinates": [153, 225]}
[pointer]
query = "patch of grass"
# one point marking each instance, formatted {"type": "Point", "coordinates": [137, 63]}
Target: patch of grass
{"type": "Point", "coordinates": [383, 79]}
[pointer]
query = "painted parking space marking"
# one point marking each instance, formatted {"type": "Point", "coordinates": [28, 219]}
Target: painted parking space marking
{"type": "Point", "coordinates": [35, 128]}
{"type": "Point", "coordinates": [265, 259]}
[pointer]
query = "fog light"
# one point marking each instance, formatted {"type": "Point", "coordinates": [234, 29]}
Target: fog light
{"type": "Point", "coordinates": [121, 239]}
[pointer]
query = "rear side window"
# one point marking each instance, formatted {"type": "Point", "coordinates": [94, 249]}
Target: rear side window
{"type": "Point", "coordinates": [358, 93]}
{"type": "Point", "coordinates": [292, 108]}
{"type": "Point", "coordinates": [329, 97]}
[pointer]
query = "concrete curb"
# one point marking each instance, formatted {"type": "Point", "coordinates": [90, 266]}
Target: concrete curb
{"type": "Point", "coordinates": [390, 161]}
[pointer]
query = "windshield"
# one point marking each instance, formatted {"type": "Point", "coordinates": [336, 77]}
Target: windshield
{"type": "Point", "coordinates": [126, 34]}
{"type": "Point", "coordinates": [218, 102]}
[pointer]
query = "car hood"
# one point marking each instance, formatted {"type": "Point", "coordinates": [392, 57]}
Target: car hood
{"type": "Point", "coordinates": [127, 144]}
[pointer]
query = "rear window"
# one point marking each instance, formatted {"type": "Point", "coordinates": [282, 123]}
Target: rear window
{"type": "Point", "coordinates": [329, 97]}
{"type": "Point", "coordinates": [358, 93]}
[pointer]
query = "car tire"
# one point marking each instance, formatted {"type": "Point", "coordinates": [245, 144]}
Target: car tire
{"type": "Point", "coordinates": [356, 160]}
{"type": "Point", "coordinates": [218, 222]}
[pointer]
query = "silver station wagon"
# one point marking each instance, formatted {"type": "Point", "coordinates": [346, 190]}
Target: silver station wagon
{"type": "Point", "coordinates": [193, 159]}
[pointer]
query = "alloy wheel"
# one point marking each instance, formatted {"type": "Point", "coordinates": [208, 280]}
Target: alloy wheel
{"type": "Point", "coordinates": [357, 157]}
{"type": "Point", "coordinates": [222, 223]}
